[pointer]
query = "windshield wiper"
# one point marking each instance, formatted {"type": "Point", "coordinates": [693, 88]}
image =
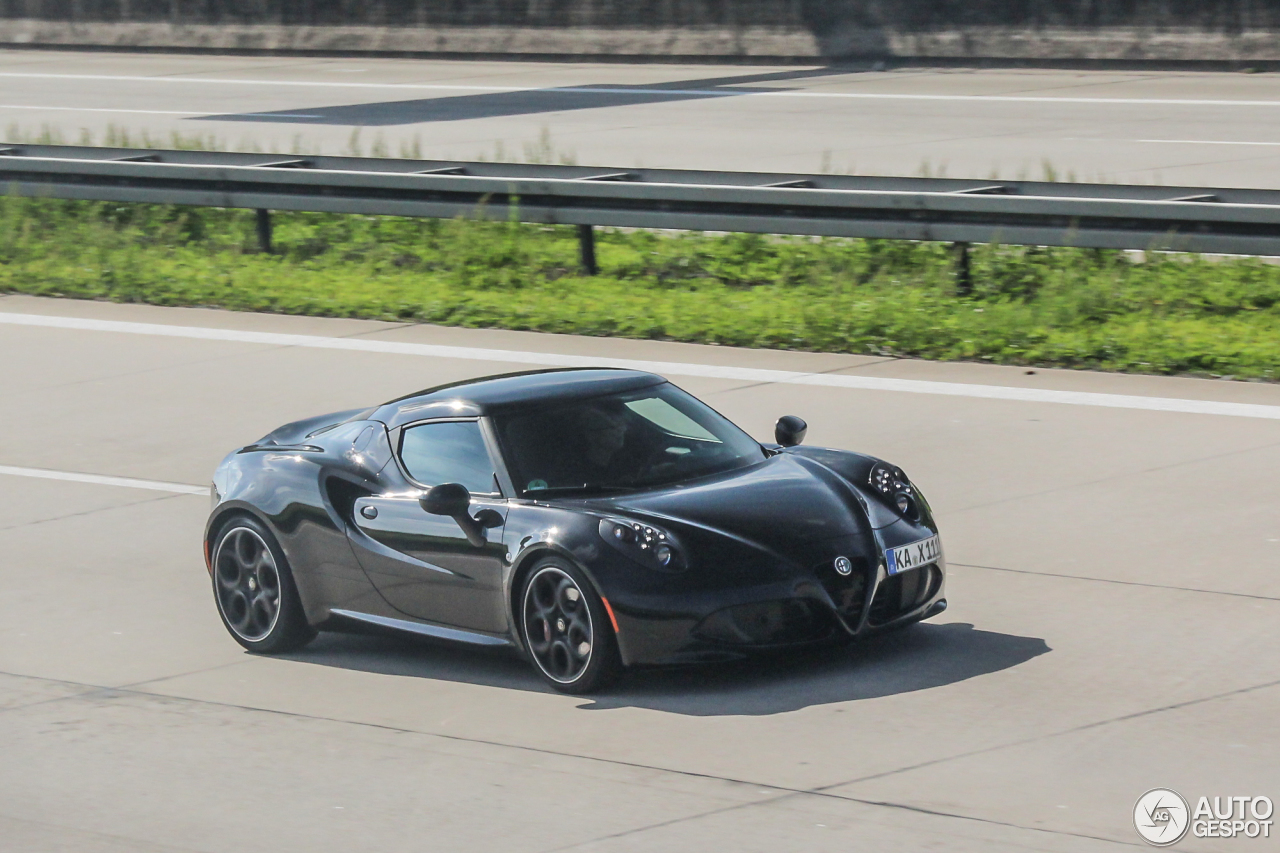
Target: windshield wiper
{"type": "Point", "coordinates": [584, 488]}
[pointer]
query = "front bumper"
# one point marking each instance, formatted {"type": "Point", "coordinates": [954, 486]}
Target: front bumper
{"type": "Point", "coordinates": [811, 609]}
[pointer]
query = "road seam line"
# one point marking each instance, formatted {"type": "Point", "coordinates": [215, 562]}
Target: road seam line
{"type": "Point", "coordinates": [1113, 580]}
{"type": "Point", "coordinates": [137, 844]}
{"type": "Point", "coordinates": [783, 792]}
{"type": "Point", "coordinates": [1083, 727]}
{"type": "Point", "coordinates": [111, 508]}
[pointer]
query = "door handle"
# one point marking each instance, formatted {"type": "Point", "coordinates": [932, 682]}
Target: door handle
{"type": "Point", "coordinates": [369, 511]}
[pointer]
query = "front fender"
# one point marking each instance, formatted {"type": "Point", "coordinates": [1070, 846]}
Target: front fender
{"type": "Point", "coordinates": [855, 469]}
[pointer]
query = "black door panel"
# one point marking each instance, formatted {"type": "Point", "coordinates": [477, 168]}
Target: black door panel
{"type": "Point", "coordinates": [425, 567]}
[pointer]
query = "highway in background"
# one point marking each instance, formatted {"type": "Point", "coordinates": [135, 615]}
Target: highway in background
{"type": "Point", "coordinates": [1114, 595]}
{"type": "Point", "coordinates": [1189, 128]}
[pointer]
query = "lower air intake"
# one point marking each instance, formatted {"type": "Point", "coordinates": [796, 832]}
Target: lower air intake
{"type": "Point", "coordinates": [899, 594]}
{"type": "Point", "coordinates": [765, 623]}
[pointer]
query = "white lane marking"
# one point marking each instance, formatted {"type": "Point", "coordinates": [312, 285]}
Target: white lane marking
{"type": "Point", "coordinates": [1204, 142]}
{"type": "Point", "coordinates": [99, 480]}
{"type": "Point", "coordinates": [153, 112]}
{"type": "Point", "coordinates": [707, 371]}
{"type": "Point", "coordinates": [1165, 141]}
{"type": "Point", "coordinates": [99, 110]}
{"type": "Point", "coordinates": [620, 90]}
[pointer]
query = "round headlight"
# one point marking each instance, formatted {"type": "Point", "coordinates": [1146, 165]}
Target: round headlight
{"type": "Point", "coordinates": [623, 533]}
{"type": "Point", "coordinates": [663, 554]}
{"type": "Point", "coordinates": [904, 504]}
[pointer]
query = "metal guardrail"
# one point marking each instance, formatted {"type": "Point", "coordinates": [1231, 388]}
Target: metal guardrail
{"type": "Point", "coordinates": [1229, 221]}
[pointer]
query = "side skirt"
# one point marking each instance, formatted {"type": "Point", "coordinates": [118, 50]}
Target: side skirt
{"type": "Point", "coordinates": [422, 629]}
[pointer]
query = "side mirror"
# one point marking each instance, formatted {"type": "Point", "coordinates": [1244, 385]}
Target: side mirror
{"type": "Point", "coordinates": [453, 500]}
{"type": "Point", "coordinates": [790, 430]}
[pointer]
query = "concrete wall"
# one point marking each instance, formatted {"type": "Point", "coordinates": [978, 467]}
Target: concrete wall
{"type": "Point", "coordinates": [1239, 31]}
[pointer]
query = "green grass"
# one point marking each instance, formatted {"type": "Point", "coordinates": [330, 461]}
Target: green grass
{"type": "Point", "coordinates": [1062, 307]}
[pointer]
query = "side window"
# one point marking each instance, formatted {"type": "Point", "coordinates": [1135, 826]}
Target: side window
{"type": "Point", "coordinates": [448, 452]}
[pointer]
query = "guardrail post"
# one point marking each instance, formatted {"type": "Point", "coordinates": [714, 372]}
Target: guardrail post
{"type": "Point", "coordinates": [960, 264]}
{"type": "Point", "coordinates": [264, 231]}
{"type": "Point", "coordinates": [587, 249]}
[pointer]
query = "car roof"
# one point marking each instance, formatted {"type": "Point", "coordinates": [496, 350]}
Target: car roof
{"type": "Point", "coordinates": [492, 394]}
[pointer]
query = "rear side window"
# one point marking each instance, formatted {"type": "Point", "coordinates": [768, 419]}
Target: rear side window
{"type": "Point", "coordinates": [448, 452]}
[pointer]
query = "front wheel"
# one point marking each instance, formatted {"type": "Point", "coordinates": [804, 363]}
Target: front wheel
{"type": "Point", "coordinates": [567, 630]}
{"type": "Point", "coordinates": [254, 589]}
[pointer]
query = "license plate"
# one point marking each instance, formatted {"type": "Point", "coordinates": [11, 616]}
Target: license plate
{"type": "Point", "coordinates": [913, 556]}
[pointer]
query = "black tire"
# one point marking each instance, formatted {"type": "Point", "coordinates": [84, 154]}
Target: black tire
{"type": "Point", "coordinates": [254, 589]}
{"type": "Point", "coordinates": [559, 612]}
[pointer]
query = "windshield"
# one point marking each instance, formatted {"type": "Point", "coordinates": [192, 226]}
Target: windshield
{"type": "Point", "coordinates": [651, 437]}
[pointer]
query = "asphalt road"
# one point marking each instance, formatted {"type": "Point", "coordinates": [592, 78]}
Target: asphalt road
{"type": "Point", "coordinates": [1193, 128]}
{"type": "Point", "coordinates": [1114, 589]}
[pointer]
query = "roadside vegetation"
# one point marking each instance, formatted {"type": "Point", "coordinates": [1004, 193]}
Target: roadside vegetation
{"type": "Point", "coordinates": [1057, 307]}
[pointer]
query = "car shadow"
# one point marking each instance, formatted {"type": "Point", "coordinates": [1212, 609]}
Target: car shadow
{"type": "Point", "coordinates": [919, 658]}
{"type": "Point", "coordinates": [522, 102]}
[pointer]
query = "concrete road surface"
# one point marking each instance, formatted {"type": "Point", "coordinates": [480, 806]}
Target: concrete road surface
{"type": "Point", "coordinates": [1196, 128]}
{"type": "Point", "coordinates": [1115, 588]}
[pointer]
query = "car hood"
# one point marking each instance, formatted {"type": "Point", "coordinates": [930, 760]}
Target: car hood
{"type": "Point", "coordinates": [786, 505]}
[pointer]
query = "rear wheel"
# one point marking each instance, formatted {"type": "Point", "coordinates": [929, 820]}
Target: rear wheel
{"type": "Point", "coordinates": [254, 589]}
{"type": "Point", "coordinates": [567, 630]}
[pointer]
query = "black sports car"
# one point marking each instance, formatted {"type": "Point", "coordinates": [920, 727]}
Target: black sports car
{"type": "Point", "coordinates": [588, 519]}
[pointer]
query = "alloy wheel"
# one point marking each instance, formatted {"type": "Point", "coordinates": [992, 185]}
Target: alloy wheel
{"type": "Point", "coordinates": [557, 624]}
{"type": "Point", "coordinates": [248, 584]}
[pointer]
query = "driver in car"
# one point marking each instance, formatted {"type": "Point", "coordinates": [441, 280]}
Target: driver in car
{"type": "Point", "coordinates": [605, 433]}
{"type": "Point", "coordinates": [597, 448]}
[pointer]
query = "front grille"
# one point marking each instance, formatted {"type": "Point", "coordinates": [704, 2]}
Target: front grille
{"type": "Point", "coordinates": [902, 593]}
{"type": "Point", "coordinates": [765, 623]}
{"type": "Point", "coordinates": [848, 593]}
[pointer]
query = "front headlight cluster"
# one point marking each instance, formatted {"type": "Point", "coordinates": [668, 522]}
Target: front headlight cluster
{"type": "Point", "coordinates": [892, 485]}
{"type": "Point", "coordinates": [644, 543]}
